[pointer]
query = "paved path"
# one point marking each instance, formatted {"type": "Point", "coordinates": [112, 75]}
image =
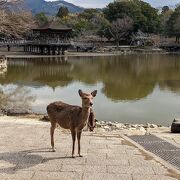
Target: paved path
{"type": "Point", "coordinates": [25, 154]}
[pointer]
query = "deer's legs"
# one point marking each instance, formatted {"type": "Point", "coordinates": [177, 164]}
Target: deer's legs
{"type": "Point", "coordinates": [79, 139]}
{"type": "Point", "coordinates": [73, 133]}
{"type": "Point", "coordinates": [53, 126]}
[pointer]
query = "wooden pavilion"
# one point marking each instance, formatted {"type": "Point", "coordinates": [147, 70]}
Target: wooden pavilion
{"type": "Point", "coordinates": [51, 39]}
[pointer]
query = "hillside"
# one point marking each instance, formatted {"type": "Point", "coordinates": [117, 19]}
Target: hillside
{"type": "Point", "coordinates": [37, 6]}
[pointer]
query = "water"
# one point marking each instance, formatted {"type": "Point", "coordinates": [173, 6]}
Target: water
{"type": "Point", "coordinates": [131, 88]}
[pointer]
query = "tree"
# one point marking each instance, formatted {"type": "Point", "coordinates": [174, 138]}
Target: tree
{"type": "Point", "coordinates": [164, 17]}
{"type": "Point", "coordinates": [172, 26]}
{"type": "Point", "coordinates": [144, 16]}
{"type": "Point", "coordinates": [98, 24]}
{"type": "Point", "coordinates": [89, 13]}
{"type": "Point", "coordinates": [103, 30]}
{"type": "Point", "coordinates": [2, 3]}
{"type": "Point", "coordinates": [90, 22]}
{"type": "Point", "coordinates": [41, 19]}
{"type": "Point", "coordinates": [63, 12]}
{"type": "Point", "coordinates": [165, 9]}
{"type": "Point", "coordinates": [176, 28]}
{"type": "Point", "coordinates": [121, 28]}
{"type": "Point", "coordinates": [15, 25]}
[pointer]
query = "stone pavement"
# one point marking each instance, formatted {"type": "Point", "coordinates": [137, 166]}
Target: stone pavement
{"type": "Point", "coordinates": [25, 154]}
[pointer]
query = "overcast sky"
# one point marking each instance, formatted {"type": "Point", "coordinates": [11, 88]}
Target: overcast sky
{"type": "Point", "coordinates": [103, 3]}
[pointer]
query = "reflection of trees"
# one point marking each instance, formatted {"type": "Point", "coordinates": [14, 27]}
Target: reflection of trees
{"type": "Point", "coordinates": [124, 81]}
{"type": "Point", "coordinates": [138, 75]}
{"type": "Point", "coordinates": [85, 70]}
{"type": "Point", "coordinates": [173, 85]}
{"type": "Point", "coordinates": [18, 97]}
{"type": "Point", "coordinates": [128, 77]}
{"type": "Point", "coordinates": [117, 92]}
{"type": "Point", "coordinates": [38, 72]}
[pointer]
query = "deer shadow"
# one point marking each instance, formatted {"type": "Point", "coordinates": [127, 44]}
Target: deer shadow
{"type": "Point", "coordinates": [24, 159]}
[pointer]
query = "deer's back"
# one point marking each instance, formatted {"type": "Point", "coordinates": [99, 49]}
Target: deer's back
{"type": "Point", "coordinates": [65, 115]}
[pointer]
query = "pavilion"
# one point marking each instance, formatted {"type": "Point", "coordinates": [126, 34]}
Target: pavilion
{"type": "Point", "coordinates": [51, 39]}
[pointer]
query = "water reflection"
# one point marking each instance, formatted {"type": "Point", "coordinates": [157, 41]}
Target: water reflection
{"type": "Point", "coordinates": [51, 73]}
{"type": "Point", "coordinates": [15, 97]}
{"type": "Point", "coordinates": [130, 78]}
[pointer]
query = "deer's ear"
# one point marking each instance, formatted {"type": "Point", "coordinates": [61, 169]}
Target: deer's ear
{"type": "Point", "coordinates": [94, 93]}
{"type": "Point", "coordinates": [80, 92]}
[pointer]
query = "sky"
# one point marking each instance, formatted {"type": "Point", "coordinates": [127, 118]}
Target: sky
{"type": "Point", "coordinates": [103, 3]}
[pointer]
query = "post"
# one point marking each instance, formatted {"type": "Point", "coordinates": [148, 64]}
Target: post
{"type": "Point", "coordinates": [41, 50]}
{"type": "Point", "coordinates": [53, 50]}
{"type": "Point", "coordinates": [63, 49]}
{"type": "Point", "coordinates": [49, 52]}
{"type": "Point", "coordinates": [8, 46]}
{"type": "Point", "coordinates": [24, 48]}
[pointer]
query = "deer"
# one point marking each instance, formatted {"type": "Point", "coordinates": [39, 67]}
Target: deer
{"type": "Point", "coordinates": [72, 117]}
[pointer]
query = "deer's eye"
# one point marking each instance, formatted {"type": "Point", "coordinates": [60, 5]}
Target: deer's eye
{"type": "Point", "coordinates": [85, 98]}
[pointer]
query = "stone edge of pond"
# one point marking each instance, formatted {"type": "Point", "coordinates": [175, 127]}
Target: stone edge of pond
{"type": "Point", "coordinates": [101, 126]}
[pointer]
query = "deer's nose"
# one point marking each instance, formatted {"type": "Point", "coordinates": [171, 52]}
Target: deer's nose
{"type": "Point", "coordinates": [91, 103]}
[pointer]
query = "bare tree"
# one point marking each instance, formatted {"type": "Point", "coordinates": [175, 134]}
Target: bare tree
{"type": "Point", "coordinates": [2, 3]}
{"type": "Point", "coordinates": [121, 28]}
{"type": "Point", "coordinates": [15, 24]}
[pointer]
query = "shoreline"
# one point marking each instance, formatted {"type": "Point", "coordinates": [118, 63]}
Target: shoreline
{"type": "Point", "coordinates": [101, 126]}
{"type": "Point", "coordinates": [81, 55]}
{"type": "Point", "coordinates": [20, 54]}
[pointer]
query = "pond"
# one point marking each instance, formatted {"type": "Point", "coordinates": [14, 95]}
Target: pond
{"type": "Point", "coordinates": [131, 88]}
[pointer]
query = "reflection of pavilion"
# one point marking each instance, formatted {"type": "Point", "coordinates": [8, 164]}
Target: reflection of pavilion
{"type": "Point", "coordinates": [39, 72]}
{"type": "Point", "coordinates": [51, 39]}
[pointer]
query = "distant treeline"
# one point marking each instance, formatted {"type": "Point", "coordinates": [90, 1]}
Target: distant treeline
{"type": "Point", "coordinates": [116, 21]}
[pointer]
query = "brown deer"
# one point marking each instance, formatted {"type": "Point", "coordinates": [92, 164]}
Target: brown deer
{"type": "Point", "coordinates": [72, 117]}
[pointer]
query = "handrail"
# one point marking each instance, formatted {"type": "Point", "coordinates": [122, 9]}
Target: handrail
{"type": "Point", "coordinates": [27, 42]}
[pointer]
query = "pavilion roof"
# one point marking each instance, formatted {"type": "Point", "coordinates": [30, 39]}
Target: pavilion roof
{"type": "Point", "coordinates": [53, 25]}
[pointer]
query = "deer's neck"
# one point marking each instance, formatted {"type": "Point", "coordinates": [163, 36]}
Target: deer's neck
{"type": "Point", "coordinates": [85, 114]}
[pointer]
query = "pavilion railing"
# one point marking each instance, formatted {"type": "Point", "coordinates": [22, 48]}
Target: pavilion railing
{"type": "Point", "coordinates": [34, 42]}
